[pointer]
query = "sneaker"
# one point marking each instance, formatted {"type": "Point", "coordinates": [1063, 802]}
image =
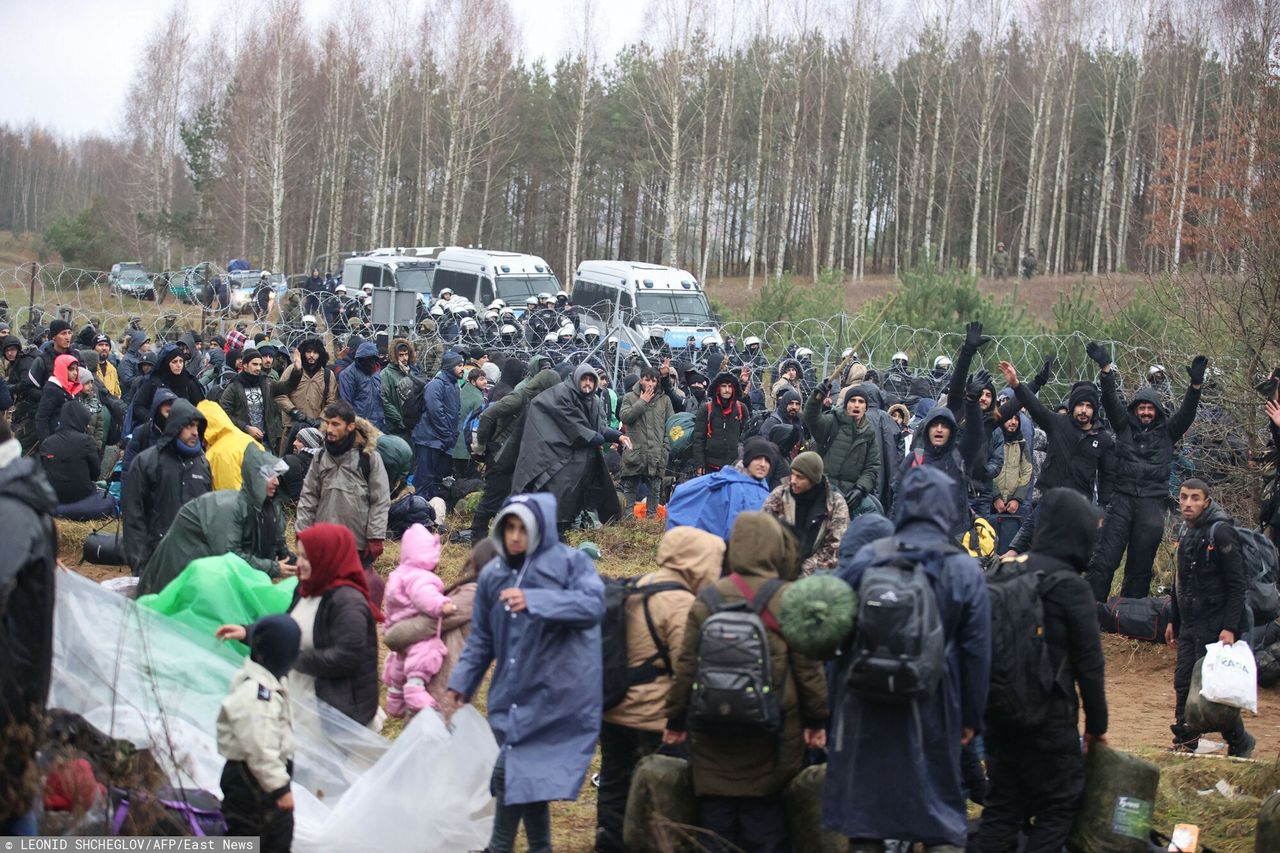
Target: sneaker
{"type": "Point", "coordinates": [1245, 749]}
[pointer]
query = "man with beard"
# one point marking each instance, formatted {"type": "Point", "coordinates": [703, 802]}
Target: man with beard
{"type": "Point", "coordinates": [250, 403]}
{"type": "Point", "coordinates": [1080, 452]}
{"type": "Point", "coordinates": [1145, 440]}
{"type": "Point", "coordinates": [717, 426]}
{"type": "Point", "coordinates": [787, 416]}
{"type": "Point", "coordinates": [347, 483]}
{"type": "Point", "coordinates": [402, 365]}
{"type": "Point", "coordinates": [308, 385]}
{"type": "Point", "coordinates": [560, 450]}
{"type": "Point", "coordinates": [359, 385]}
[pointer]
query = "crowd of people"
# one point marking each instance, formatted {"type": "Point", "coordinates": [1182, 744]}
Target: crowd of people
{"type": "Point", "coordinates": [774, 473]}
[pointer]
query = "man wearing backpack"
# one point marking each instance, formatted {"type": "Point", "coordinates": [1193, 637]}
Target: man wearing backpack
{"type": "Point", "coordinates": [746, 744]}
{"type": "Point", "coordinates": [1145, 439]}
{"type": "Point", "coordinates": [717, 426]}
{"type": "Point", "coordinates": [655, 610]}
{"type": "Point", "coordinates": [901, 720]}
{"type": "Point", "coordinates": [1210, 603]}
{"type": "Point", "coordinates": [1034, 761]}
{"type": "Point", "coordinates": [309, 386]}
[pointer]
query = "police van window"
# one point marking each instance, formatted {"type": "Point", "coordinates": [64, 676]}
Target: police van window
{"type": "Point", "coordinates": [371, 275]}
{"type": "Point", "coordinates": [486, 290]}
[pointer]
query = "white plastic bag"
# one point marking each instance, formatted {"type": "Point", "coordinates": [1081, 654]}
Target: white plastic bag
{"type": "Point", "coordinates": [1230, 676]}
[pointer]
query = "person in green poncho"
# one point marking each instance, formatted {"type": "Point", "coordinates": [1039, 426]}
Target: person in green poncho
{"type": "Point", "coordinates": [248, 523]}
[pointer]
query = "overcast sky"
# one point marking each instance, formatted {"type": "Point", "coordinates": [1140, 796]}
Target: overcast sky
{"type": "Point", "coordinates": [67, 64]}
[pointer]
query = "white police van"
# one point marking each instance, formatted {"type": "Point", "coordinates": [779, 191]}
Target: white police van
{"type": "Point", "coordinates": [481, 276]}
{"type": "Point", "coordinates": [391, 269]}
{"type": "Point", "coordinates": [646, 295]}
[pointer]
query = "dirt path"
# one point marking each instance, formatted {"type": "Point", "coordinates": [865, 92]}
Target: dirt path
{"type": "Point", "coordinates": [1140, 699]}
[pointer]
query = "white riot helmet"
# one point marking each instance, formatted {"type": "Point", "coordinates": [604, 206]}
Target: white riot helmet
{"type": "Point", "coordinates": [591, 333]}
{"type": "Point", "coordinates": [308, 319]}
{"type": "Point", "coordinates": [437, 310]}
{"type": "Point", "coordinates": [550, 338]}
{"type": "Point", "coordinates": [531, 302]}
{"type": "Point", "coordinates": [469, 324]}
{"type": "Point", "coordinates": [611, 341]}
{"type": "Point", "coordinates": [368, 300]}
{"type": "Point", "coordinates": [497, 305]}
{"type": "Point", "coordinates": [1154, 369]}
{"type": "Point", "coordinates": [804, 352]}
{"type": "Point", "coordinates": [507, 331]}
{"type": "Point", "coordinates": [545, 297]}
{"type": "Point", "coordinates": [491, 316]}
{"type": "Point", "coordinates": [751, 341]}
{"type": "Point", "coordinates": [657, 331]}
{"type": "Point", "coordinates": [446, 293]}
{"type": "Point", "coordinates": [567, 332]}
{"type": "Point", "coordinates": [342, 288]}
{"type": "Point", "coordinates": [899, 359]}
{"type": "Point", "coordinates": [710, 341]}
{"type": "Point", "coordinates": [942, 362]}
{"type": "Point", "coordinates": [849, 353]}
{"type": "Point", "coordinates": [367, 287]}
{"type": "Point", "coordinates": [507, 315]}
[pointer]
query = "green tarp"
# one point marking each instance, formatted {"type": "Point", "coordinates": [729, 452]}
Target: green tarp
{"type": "Point", "coordinates": [221, 590]}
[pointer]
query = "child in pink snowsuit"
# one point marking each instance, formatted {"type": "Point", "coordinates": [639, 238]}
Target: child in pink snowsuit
{"type": "Point", "coordinates": [415, 589]}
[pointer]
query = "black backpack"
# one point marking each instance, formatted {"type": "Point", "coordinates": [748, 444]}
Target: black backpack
{"type": "Point", "coordinates": [733, 693]}
{"type": "Point", "coordinates": [412, 400]}
{"type": "Point", "coordinates": [1261, 565]}
{"type": "Point", "coordinates": [1022, 676]}
{"type": "Point", "coordinates": [619, 676]}
{"type": "Point", "coordinates": [899, 651]}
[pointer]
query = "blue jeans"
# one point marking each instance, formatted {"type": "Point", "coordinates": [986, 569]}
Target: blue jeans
{"type": "Point", "coordinates": [506, 822]}
{"type": "Point", "coordinates": [432, 466]}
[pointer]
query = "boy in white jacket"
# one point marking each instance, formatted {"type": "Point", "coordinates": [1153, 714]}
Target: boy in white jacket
{"type": "Point", "coordinates": [255, 735]}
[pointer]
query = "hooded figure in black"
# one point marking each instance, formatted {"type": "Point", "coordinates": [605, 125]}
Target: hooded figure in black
{"type": "Point", "coordinates": [27, 563]}
{"type": "Point", "coordinates": [561, 450]}
{"type": "Point", "coordinates": [1081, 454]}
{"type": "Point", "coordinates": [718, 424]}
{"type": "Point", "coordinates": [1039, 772]}
{"type": "Point", "coordinates": [183, 385]}
{"type": "Point", "coordinates": [1144, 441]}
{"type": "Point", "coordinates": [512, 371]}
{"type": "Point", "coordinates": [70, 458]}
{"type": "Point", "coordinates": [936, 445]}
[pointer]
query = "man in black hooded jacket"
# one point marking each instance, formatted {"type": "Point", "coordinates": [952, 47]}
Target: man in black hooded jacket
{"type": "Point", "coordinates": [1081, 453]}
{"type": "Point", "coordinates": [163, 478]}
{"type": "Point", "coordinates": [1144, 454]}
{"type": "Point", "coordinates": [1039, 771]}
{"type": "Point", "coordinates": [27, 563]}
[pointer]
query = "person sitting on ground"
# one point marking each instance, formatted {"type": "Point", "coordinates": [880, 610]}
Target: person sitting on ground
{"type": "Point", "coordinates": [689, 561]}
{"type": "Point", "coordinates": [255, 736]}
{"type": "Point", "coordinates": [248, 523]}
{"type": "Point", "coordinates": [739, 778]}
{"type": "Point", "coordinates": [537, 614]}
{"type": "Point", "coordinates": [815, 512]}
{"type": "Point", "coordinates": [72, 464]}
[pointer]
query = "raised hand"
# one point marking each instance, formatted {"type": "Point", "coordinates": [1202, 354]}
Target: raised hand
{"type": "Point", "coordinates": [1010, 374]}
{"type": "Point", "coordinates": [1046, 372]}
{"type": "Point", "coordinates": [1098, 353]}
{"type": "Point", "coordinates": [974, 340]}
{"type": "Point", "coordinates": [1196, 370]}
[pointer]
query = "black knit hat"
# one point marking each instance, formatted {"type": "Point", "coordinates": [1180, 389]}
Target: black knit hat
{"type": "Point", "coordinates": [59, 326]}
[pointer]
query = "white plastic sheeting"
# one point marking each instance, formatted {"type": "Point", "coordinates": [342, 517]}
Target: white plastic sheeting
{"type": "Point", "coordinates": [136, 675]}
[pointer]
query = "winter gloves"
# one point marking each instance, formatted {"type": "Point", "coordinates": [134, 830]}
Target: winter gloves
{"type": "Point", "coordinates": [978, 381]}
{"type": "Point", "coordinates": [1098, 353]}
{"type": "Point", "coordinates": [1046, 373]}
{"type": "Point", "coordinates": [974, 340]}
{"type": "Point", "coordinates": [1196, 369]}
